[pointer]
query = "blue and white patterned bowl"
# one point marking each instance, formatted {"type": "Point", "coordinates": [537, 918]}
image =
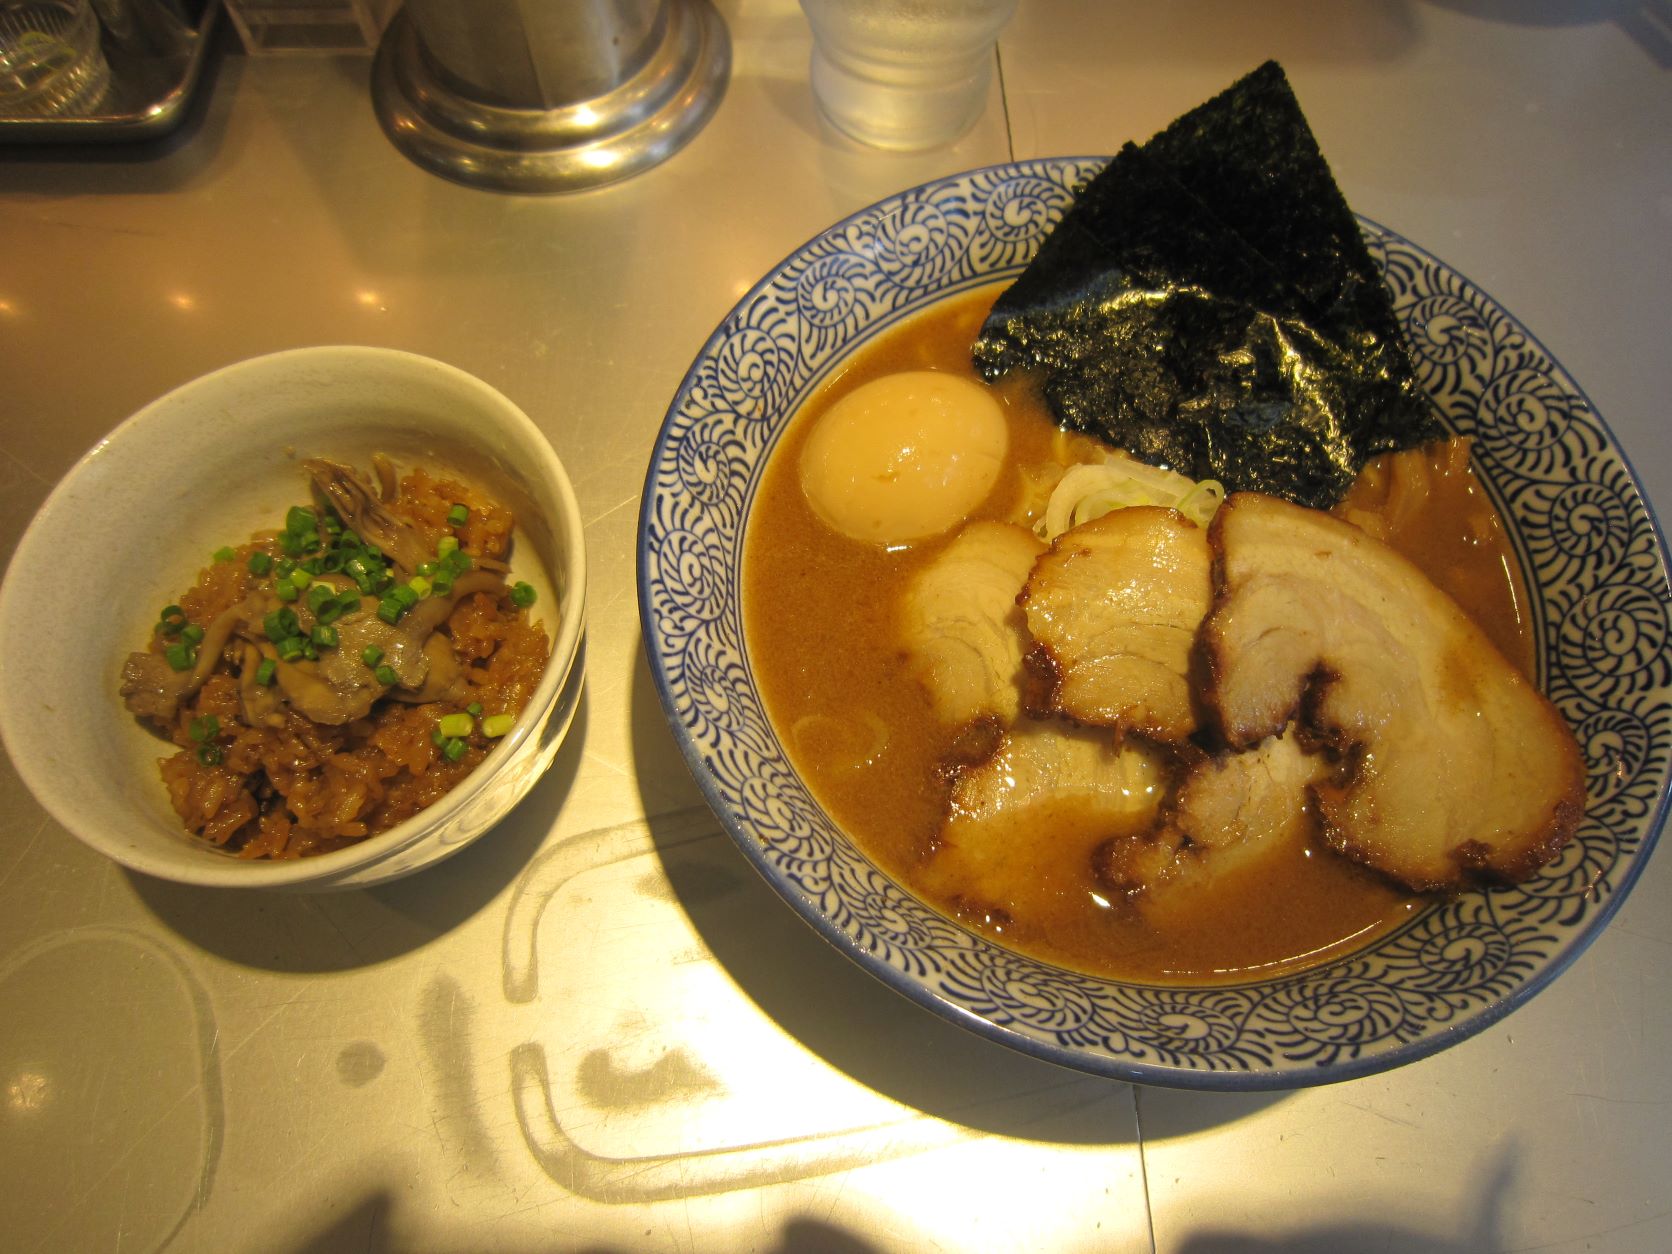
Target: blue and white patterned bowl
{"type": "Point", "coordinates": [1581, 528]}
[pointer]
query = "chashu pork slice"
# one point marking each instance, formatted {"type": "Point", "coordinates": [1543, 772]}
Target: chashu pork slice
{"type": "Point", "coordinates": [1114, 608]}
{"type": "Point", "coordinates": [1023, 823]}
{"type": "Point", "coordinates": [1456, 769]}
{"type": "Point", "coordinates": [963, 634]}
{"type": "Point", "coordinates": [1227, 813]}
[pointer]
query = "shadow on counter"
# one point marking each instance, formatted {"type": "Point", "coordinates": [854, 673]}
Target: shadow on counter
{"type": "Point", "coordinates": [322, 932]}
{"type": "Point", "coordinates": [1490, 1200]}
{"type": "Point", "coordinates": [369, 1229]}
{"type": "Point", "coordinates": [861, 1027]}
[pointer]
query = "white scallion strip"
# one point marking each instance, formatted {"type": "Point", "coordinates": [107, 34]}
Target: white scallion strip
{"type": "Point", "coordinates": [1092, 489]}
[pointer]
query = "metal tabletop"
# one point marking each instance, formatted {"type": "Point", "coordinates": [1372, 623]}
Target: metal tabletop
{"type": "Point", "coordinates": [597, 1029]}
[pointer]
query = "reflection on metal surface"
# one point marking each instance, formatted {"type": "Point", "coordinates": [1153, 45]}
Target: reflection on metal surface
{"type": "Point", "coordinates": [697, 1173]}
{"type": "Point", "coordinates": [28, 1093]}
{"type": "Point", "coordinates": [548, 873]}
{"type": "Point", "coordinates": [446, 1027]}
{"type": "Point", "coordinates": [673, 1076]}
{"type": "Point", "coordinates": [635, 1084]}
{"type": "Point", "coordinates": [555, 97]}
{"type": "Point", "coordinates": [360, 1063]}
{"type": "Point", "coordinates": [113, 1078]}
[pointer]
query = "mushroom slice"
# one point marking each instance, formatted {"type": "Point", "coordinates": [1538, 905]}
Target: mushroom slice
{"type": "Point", "coordinates": [340, 688]}
{"type": "Point", "coordinates": [153, 689]}
{"type": "Point", "coordinates": [1114, 607]}
{"type": "Point", "coordinates": [963, 633]}
{"type": "Point", "coordinates": [358, 503]}
{"type": "Point", "coordinates": [262, 704]}
{"type": "Point", "coordinates": [1021, 826]}
{"type": "Point", "coordinates": [1456, 768]}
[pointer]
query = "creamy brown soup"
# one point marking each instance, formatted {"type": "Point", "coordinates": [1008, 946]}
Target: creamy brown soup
{"type": "Point", "coordinates": [820, 616]}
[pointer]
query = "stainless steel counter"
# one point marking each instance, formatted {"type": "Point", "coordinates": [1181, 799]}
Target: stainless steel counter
{"type": "Point", "coordinates": [597, 1029]}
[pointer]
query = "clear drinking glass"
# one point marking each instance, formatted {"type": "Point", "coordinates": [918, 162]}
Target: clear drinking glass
{"type": "Point", "coordinates": [903, 74]}
{"type": "Point", "coordinates": [51, 60]}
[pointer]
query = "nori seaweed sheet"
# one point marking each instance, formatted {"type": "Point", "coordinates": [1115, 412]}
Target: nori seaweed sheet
{"type": "Point", "coordinates": [1208, 304]}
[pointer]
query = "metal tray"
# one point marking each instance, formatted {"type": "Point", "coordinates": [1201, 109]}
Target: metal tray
{"type": "Point", "coordinates": [156, 50]}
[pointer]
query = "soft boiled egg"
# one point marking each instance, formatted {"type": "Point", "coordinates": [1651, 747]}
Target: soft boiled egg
{"type": "Point", "coordinates": [904, 457]}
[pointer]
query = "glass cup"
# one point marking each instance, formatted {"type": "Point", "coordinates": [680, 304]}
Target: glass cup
{"type": "Point", "coordinates": [903, 74]}
{"type": "Point", "coordinates": [51, 60]}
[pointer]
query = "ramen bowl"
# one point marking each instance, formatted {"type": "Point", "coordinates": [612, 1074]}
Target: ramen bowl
{"type": "Point", "coordinates": [1594, 561]}
{"type": "Point", "coordinates": [210, 463]}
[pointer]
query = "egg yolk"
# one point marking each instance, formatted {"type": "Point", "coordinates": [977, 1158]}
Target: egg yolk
{"type": "Point", "coordinates": [904, 457]}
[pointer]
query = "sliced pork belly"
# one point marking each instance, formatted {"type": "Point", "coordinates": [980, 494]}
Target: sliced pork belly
{"type": "Point", "coordinates": [1022, 824]}
{"type": "Point", "coordinates": [963, 634]}
{"type": "Point", "coordinates": [1114, 607]}
{"type": "Point", "coordinates": [1226, 812]}
{"type": "Point", "coordinates": [1455, 767]}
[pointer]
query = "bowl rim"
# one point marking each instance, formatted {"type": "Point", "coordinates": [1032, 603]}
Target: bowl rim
{"type": "Point", "coordinates": [1281, 1076]}
{"type": "Point", "coordinates": [217, 869]}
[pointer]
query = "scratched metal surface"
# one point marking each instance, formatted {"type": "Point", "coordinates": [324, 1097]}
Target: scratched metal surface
{"type": "Point", "coordinates": [597, 1029]}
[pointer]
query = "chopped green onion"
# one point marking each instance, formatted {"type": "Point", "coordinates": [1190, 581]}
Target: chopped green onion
{"type": "Point", "coordinates": [371, 655]}
{"type": "Point", "coordinates": [191, 633]}
{"type": "Point", "coordinates": [332, 523]}
{"type": "Point", "coordinates": [406, 594]}
{"type": "Point", "coordinates": [205, 728]}
{"type": "Point", "coordinates": [350, 539]}
{"type": "Point", "coordinates": [390, 610]}
{"type": "Point", "coordinates": [308, 650]}
{"type": "Point", "coordinates": [456, 562]}
{"type": "Point", "coordinates": [324, 636]}
{"type": "Point", "coordinates": [280, 625]}
{"type": "Point", "coordinates": [299, 518]}
{"type": "Point", "coordinates": [285, 590]}
{"type": "Point", "coordinates": [522, 595]}
{"type": "Point", "coordinates": [446, 545]}
{"type": "Point", "coordinates": [496, 725]}
{"type": "Point", "coordinates": [181, 656]}
{"type": "Point", "coordinates": [292, 649]}
{"type": "Point", "coordinates": [436, 738]}
{"type": "Point", "coordinates": [386, 676]}
{"type": "Point", "coordinates": [320, 596]}
{"type": "Point", "coordinates": [209, 755]}
{"type": "Point", "coordinates": [458, 515]}
{"type": "Point", "coordinates": [284, 568]}
{"type": "Point", "coordinates": [443, 584]}
{"type": "Point", "coordinates": [313, 566]}
{"type": "Point", "coordinates": [453, 750]}
{"type": "Point", "coordinates": [419, 585]}
{"type": "Point", "coordinates": [260, 563]}
{"type": "Point", "coordinates": [299, 579]}
{"type": "Point", "coordinates": [224, 554]}
{"type": "Point", "coordinates": [455, 726]}
{"type": "Point", "coordinates": [267, 671]}
{"type": "Point", "coordinates": [171, 621]}
{"type": "Point", "coordinates": [347, 603]}
{"type": "Point", "coordinates": [426, 569]}
{"type": "Point", "coordinates": [474, 709]}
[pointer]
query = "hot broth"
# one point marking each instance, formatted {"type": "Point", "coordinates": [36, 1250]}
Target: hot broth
{"type": "Point", "coordinates": [821, 618]}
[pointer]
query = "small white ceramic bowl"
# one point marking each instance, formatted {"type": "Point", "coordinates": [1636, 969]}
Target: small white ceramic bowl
{"type": "Point", "coordinates": [131, 525]}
